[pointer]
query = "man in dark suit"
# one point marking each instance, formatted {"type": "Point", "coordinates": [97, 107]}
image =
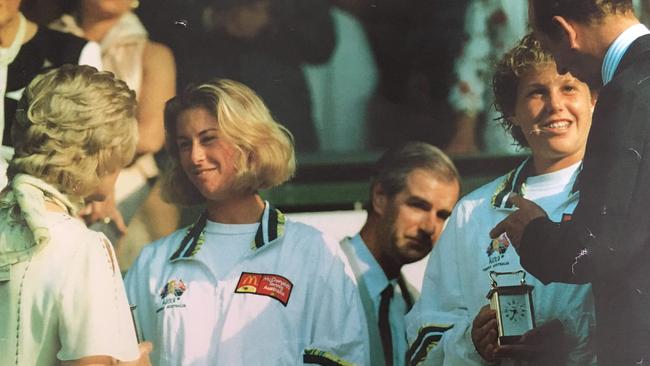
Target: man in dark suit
{"type": "Point", "coordinates": [607, 240]}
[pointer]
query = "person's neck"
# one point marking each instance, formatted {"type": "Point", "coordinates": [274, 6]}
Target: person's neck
{"type": "Point", "coordinates": [8, 32]}
{"type": "Point", "coordinates": [244, 208]}
{"type": "Point", "coordinates": [598, 37]}
{"type": "Point", "coordinates": [371, 237]}
{"type": "Point", "coordinates": [96, 28]}
{"type": "Point", "coordinates": [549, 165]}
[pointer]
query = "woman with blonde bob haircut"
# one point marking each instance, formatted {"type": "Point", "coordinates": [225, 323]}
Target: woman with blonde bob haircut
{"type": "Point", "coordinates": [242, 271]}
{"type": "Point", "coordinates": [265, 148]}
{"type": "Point", "coordinates": [75, 129]}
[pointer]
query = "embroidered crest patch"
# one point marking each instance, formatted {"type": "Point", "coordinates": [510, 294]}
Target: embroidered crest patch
{"type": "Point", "coordinates": [566, 217]}
{"type": "Point", "coordinates": [170, 294]}
{"type": "Point", "coordinates": [270, 285]}
{"type": "Point", "coordinates": [499, 245]}
{"type": "Point", "coordinates": [174, 288]}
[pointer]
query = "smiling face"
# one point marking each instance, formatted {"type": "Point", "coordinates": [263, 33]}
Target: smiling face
{"type": "Point", "coordinates": [411, 221]}
{"type": "Point", "coordinates": [554, 113]}
{"type": "Point", "coordinates": [206, 156]}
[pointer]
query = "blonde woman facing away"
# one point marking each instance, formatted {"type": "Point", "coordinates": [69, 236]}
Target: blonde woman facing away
{"type": "Point", "coordinates": [61, 293]}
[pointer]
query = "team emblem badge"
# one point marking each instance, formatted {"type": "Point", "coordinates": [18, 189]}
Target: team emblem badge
{"type": "Point", "coordinates": [499, 245]}
{"type": "Point", "coordinates": [273, 286]}
{"type": "Point", "coordinates": [170, 294]}
{"type": "Point", "coordinates": [174, 288]}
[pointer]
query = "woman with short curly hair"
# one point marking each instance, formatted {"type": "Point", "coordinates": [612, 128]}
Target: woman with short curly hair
{"type": "Point", "coordinates": [243, 271]}
{"type": "Point", "coordinates": [551, 113]}
{"type": "Point", "coordinates": [61, 292]}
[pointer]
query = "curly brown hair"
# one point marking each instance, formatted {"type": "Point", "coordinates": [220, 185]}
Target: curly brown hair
{"type": "Point", "coordinates": [526, 54]}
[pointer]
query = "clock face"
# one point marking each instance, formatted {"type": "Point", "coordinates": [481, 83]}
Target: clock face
{"type": "Point", "coordinates": [515, 310]}
{"type": "Point", "coordinates": [516, 317]}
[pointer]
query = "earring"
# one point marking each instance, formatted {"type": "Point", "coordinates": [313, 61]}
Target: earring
{"type": "Point", "coordinates": [135, 4]}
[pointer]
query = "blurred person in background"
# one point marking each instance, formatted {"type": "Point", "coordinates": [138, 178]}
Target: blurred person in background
{"type": "Point", "coordinates": [263, 44]}
{"type": "Point", "coordinates": [243, 285]}
{"type": "Point", "coordinates": [413, 191]}
{"type": "Point", "coordinates": [414, 44]}
{"type": "Point", "coordinates": [490, 29]}
{"type": "Point", "coordinates": [62, 298]}
{"type": "Point", "coordinates": [149, 69]}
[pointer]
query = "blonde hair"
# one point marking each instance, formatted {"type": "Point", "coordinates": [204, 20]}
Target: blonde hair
{"type": "Point", "coordinates": [265, 148]}
{"type": "Point", "coordinates": [74, 125]}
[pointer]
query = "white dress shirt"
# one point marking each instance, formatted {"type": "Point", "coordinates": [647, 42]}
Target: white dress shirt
{"type": "Point", "coordinates": [376, 281]}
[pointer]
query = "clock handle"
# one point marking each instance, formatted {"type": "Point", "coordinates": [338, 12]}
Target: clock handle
{"type": "Point", "coordinates": [494, 275]}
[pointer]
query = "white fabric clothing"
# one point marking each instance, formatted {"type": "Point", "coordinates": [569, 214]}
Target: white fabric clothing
{"type": "Point", "coordinates": [91, 55]}
{"type": "Point", "coordinates": [370, 275]}
{"type": "Point", "coordinates": [457, 277]}
{"type": "Point", "coordinates": [233, 239]}
{"type": "Point", "coordinates": [121, 48]}
{"type": "Point", "coordinates": [492, 28]}
{"type": "Point", "coordinates": [61, 291]}
{"type": "Point", "coordinates": [290, 300]}
{"type": "Point", "coordinates": [339, 111]}
{"type": "Point", "coordinates": [617, 49]}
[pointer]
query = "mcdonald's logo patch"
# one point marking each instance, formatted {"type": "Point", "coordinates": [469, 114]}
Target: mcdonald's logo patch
{"type": "Point", "coordinates": [274, 286]}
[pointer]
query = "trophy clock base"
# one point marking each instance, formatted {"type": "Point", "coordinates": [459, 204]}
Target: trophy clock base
{"type": "Point", "coordinates": [509, 340]}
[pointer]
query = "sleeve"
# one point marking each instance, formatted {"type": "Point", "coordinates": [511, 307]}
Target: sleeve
{"type": "Point", "coordinates": [439, 325]}
{"type": "Point", "coordinates": [471, 66]}
{"type": "Point", "coordinates": [309, 27]}
{"type": "Point", "coordinates": [339, 332]}
{"type": "Point", "coordinates": [93, 310]}
{"type": "Point", "coordinates": [91, 55]}
{"type": "Point", "coordinates": [608, 232]}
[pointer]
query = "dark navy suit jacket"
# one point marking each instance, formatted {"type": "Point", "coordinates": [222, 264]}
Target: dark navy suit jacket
{"type": "Point", "coordinates": [607, 242]}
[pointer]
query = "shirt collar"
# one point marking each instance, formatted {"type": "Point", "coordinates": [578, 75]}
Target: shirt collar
{"type": "Point", "coordinates": [515, 182]}
{"type": "Point", "coordinates": [616, 51]}
{"type": "Point", "coordinates": [270, 230]}
{"type": "Point", "coordinates": [371, 272]}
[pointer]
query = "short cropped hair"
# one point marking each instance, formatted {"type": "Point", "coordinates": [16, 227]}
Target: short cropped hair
{"type": "Point", "coordinates": [74, 125]}
{"type": "Point", "coordinates": [583, 11]}
{"type": "Point", "coordinates": [265, 148]}
{"type": "Point", "coordinates": [394, 166]}
{"type": "Point", "coordinates": [526, 54]}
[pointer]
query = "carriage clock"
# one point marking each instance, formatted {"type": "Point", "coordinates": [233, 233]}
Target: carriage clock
{"type": "Point", "coordinates": [514, 307]}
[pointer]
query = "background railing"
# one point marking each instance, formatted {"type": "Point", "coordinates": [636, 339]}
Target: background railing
{"type": "Point", "coordinates": [340, 181]}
